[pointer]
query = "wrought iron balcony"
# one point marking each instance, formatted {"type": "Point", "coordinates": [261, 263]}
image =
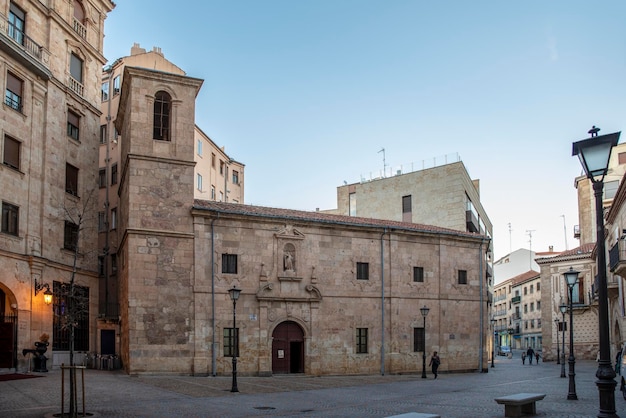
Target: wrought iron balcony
{"type": "Point", "coordinates": [24, 49]}
{"type": "Point", "coordinates": [516, 299]}
{"type": "Point", "coordinates": [617, 258]}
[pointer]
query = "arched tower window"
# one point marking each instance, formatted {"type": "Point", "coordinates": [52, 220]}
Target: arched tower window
{"type": "Point", "coordinates": [79, 12]}
{"type": "Point", "coordinates": [162, 110]}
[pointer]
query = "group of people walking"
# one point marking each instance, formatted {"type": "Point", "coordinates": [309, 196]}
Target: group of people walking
{"type": "Point", "coordinates": [530, 353]}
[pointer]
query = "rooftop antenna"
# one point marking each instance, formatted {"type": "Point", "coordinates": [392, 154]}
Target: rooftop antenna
{"type": "Point", "coordinates": [384, 163]}
{"type": "Point", "coordinates": [565, 231]}
{"type": "Point", "coordinates": [529, 232]}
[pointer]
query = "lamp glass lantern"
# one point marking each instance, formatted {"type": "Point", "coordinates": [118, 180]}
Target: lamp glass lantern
{"type": "Point", "coordinates": [594, 154]}
{"type": "Point", "coordinates": [424, 311]}
{"type": "Point", "coordinates": [571, 277]}
{"type": "Point", "coordinates": [47, 297]}
{"type": "Point", "coordinates": [234, 293]}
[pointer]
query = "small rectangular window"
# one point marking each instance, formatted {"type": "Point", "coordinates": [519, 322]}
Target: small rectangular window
{"type": "Point", "coordinates": [113, 263]}
{"type": "Point", "coordinates": [419, 340]}
{"type": "Point", "coordinates": [73, 125]}
{"type": "Point", "coordinates": [235, 177]}
{"type": "Point", "coordinates": [102, 178]}
{"type": "Point", "coordinates": [200, 147]}
{"type": "Point", "coordinates": [105, 91]}
{"type": "Point", "coordinates": [538, 305]}
{"type": "Point", "coordinates": [10, 219]}
{"type": "Point", "coordinates": [71, 179]}
{"type": "Point", "coordinates": [406, 204]}
{"type": "Point", "coordinates": [361, 340]}
{"type": "Point", "coordinates": [13, 93]}
{"type": "Point", "coordinates": [114, 174]}
{"type": "Point", "coordinates": [116, 86]}
{"type": "Point", "coordinates": [199, 181]}
{"type": "Point", "coordinates": [221, 167]}
{"type": "Point", "coordinates": [103, 134]}
{"type": "Point", "coordinates": [229, 263]}
{"type": "Point", "coordinates": [100, 265]}
{"type": "Point", "coordinates": [418, 274]}
{"type": "Point", "coordinates": [114, 218]}
{"type": "Point", "coordinates": [101, 221]}
{"type": "Point", "coordinates": [362, 271]}
{"type": "Point", "coordinates": [213, 160]}
{"type": "Point", "coordinates": [70, 236]}
{"type": "Point", "coordinates": [538, 287]}
{"type": "Point", "coordinates": [462, 277]}
{"type": "Point", "coordinates": [231, 342]}
{"type": "Point", "coordinates": [11, 154]}
{"type": "Point", "coordinates": [212, 192]}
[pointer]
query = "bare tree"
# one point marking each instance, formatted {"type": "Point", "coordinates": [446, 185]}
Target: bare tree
{"type": "Point", "coordinates": [74, 297]}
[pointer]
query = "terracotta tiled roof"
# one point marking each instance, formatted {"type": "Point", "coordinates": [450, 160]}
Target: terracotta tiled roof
{"type": "Point", "coordinates": [584, 251]}
{"type": "Point", "coordinates": [321, 217]}
{"type": "Point", "coordinates": [521, 278]}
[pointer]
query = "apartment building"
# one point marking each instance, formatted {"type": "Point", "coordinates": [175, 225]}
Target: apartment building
{"type": "Point", "coordinates": [50, 55]}
{"type": "Point", "coordinates": [526, 307]}
{"type": "Point", "coordinates": [583, 259]}
{"type": "Point", "coordinates": [217, 176]}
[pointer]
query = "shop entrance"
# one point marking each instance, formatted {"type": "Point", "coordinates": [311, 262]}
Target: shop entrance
{"type": "Point", "coordinates": [288, 348]}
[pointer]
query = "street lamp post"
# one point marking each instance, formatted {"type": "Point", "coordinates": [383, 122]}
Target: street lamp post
{"type": "Point", "coordinates": [234, 295]}
{"type": "Point", "coordinates": [424, 312]}
{"type": "Point", "coordinates": [493, 346]}
{"type": "Point", "coordinates": [563, 309]}
{"type": "Point", "coordinates": [558, 354]}
{"type": "Point", "coordinates": [571, 276]}
{"type": "Point", "coordinates": [594, 154]}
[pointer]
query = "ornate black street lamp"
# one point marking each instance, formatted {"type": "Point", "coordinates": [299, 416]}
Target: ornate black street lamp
{"type": "Point", "coordinates": [594, 154]}
{"type": "Point", "coordinates": [571, 277]}
{"type": "Point", "coordinates": [493, 336]}
{"type": "Point", "coordinates": [234, 295]}
{"type": "Point", "coordinates": [558, 353]}
{"type": "Point", "coordinates": [563, 309]}
{"type": "Point", "coordinates": [424, 312]}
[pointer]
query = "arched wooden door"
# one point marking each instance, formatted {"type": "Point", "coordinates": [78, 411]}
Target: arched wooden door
{"type": "Point", "coordinates": [288, 348]}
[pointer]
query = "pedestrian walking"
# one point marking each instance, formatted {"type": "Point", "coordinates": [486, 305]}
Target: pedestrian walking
{"type": "Point", "coordinates": [435, 361]}
{"type": "Point", "coordinates": [537, 357]}
{"type": "Point", "coordinates": [530, 353]}
{"type": "Point", "coordinates": [523, 357]}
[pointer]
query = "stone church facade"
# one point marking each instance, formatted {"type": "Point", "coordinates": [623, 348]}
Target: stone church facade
{"type": "Point", "coordinates": [321, 293]}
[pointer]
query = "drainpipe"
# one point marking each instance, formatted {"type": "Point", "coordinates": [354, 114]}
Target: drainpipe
{"type": "Point", "coordinates": [382, 305]}
{"type": "Point", "coordinates": [213, 342]}
{"type": "Point", "coordinates": [482, 308]}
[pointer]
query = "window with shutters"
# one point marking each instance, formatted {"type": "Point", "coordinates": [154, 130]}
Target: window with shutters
{"type": "Point", "coordinates": [13, 93]}
{"type": "Point", "coordinates": [73, 125]}
{"type": "Point", "coordinates": [10, 219]}
{"type": "Point", "coordinates": [11, 152]}
{"type": "Point", "coordinates": [71, 179]}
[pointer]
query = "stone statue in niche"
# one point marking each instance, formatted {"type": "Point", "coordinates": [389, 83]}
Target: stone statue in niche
{"type": "Point", "coordinates": [289, 262]}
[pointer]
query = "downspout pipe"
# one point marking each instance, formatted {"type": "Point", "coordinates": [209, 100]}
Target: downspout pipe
{"type": "Point", "coordinates": [382, 305]}
{"type": "Point", "coordinates": [482, 308]}
{"type": "Point", "coordinates": [213, 342]}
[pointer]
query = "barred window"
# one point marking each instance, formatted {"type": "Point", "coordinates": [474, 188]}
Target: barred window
{"type": "Point", "coordinates": [70, 308]}
{"type": "Point", "coordinates": [362, 271]}
{"type": "Point", "coordinates": [231, 342]}
{"type": "Point", "coordinates": [361, 340]}
{"type": "Point", "coordinates": [229, 263]}
{"type": "Point", "coordinates": [418, 274]}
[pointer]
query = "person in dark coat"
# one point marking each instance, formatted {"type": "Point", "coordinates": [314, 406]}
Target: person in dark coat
{"type": "Point", "coordinates": [435, 361]}
{"type": "Point", "coordinates": [530, 353]}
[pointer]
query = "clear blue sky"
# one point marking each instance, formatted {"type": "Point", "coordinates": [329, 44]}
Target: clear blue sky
{"type": "Point", "coordinates": [306, 93]}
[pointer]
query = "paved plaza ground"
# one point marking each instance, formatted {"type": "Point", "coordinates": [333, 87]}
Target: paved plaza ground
{"type": "Point", "coordinates": [114, 394]}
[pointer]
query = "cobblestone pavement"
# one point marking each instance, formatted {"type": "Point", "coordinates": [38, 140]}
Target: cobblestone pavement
{"type": "Point", "coordinates": [114, 394]}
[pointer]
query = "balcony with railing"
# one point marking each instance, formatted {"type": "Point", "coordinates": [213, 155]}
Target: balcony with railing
{"type": "Point", "coordinates": [76, 86]}
{"type": "Point", "coordinates": [516, 299]}
{"type": "Point", "coordinates": [617, 258]}
{"type": "Point", "coordinates": [79, 28]}
{"type": "Point", "coordinates": [516, 316]}
{"type": "Point", "coordinates": [23, 48]}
